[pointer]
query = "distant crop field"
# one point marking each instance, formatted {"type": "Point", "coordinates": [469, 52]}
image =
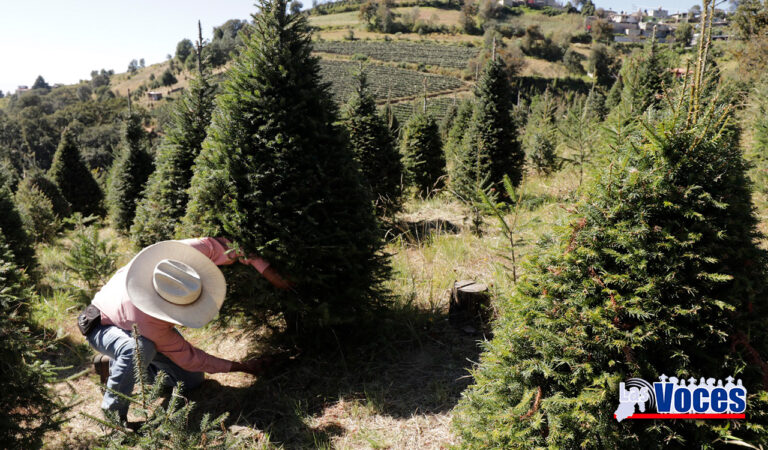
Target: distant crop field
{"type": "Point", "coordinates": [438, 16]}
{"type": "Point", "coordinates": [383, 80]}
{"type": "Point", "coordinates": [346, 19]}
{"type": "Point", "coordinates": [556, 25]}
{"type": "Point", "coordinates": [436, 107]}
{"type": "Point", "coordinates": [450, 56]}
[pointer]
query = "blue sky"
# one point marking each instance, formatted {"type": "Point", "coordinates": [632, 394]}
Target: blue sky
{"type": "Point", "coordinates": [64, 40]}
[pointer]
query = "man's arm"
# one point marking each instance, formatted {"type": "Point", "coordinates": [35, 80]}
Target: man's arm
{"type": "Point", "coordinates": [218, 250]}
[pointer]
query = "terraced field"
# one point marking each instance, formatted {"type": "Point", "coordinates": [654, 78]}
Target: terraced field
{"type": "Point", "coordinates": [449, 56]}
{"type": "Point", "coordinates": [383, 80]}
{"type": "Point", "coordinates": [437, 107]}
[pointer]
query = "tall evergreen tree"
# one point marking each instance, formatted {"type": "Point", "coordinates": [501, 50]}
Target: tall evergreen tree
{"type": "Point", "coordinates": [422, 151]}
{"type": "Point", "coordinates": [165, 198]}
{"type": "Point", "coordinates": [75, 181]}
{"type": "Point", "coordinates": [658, 273]}
{"type": "Point", "coordinates": [490, 149]}
{"type": "Point", "coordinates": [29, 407]}
{"type": "Point", "coordinates": [373, 146]}
{"type": "Point", "coordinates": [13, 232]}
{"type": "Point", "coordinates": [129, 174]}
{"type": "Point", "coordinates": [276, 176]}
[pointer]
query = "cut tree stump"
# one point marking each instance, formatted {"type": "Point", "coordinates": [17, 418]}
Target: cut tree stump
{"type": "Point", "coordinates": [470, 303]}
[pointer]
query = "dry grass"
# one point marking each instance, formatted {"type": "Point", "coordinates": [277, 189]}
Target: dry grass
{"type": "Point", "coordinates": [345, 19]}
{"type": "Point", "coordinates": [437, 16]}
{"type": "Point", "coordinates": [542, 68]}
{"type": "Point", "coordinates": [337, 35]}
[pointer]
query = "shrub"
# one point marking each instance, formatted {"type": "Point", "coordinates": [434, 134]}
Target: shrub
{"type": "Point", "coordinates": [572, 62]}
{"type": "Point", "coordinates": [91, 259]}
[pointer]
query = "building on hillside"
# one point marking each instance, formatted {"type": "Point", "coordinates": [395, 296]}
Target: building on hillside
{"type": "Point", "coordinates": [22, 88]}
{"type": "Point", "coordinates": [624, 18]}
{"type": "Point", "coordinates": [648, 27]}
{"type": "Point", "coordinates": [625, 28]}
{"type": "Point", "coordinates": [683, 16]}
{"type": "Point", "coordinates": [154, 96]}
{"type": "Point", "coordinates": [659, 13]}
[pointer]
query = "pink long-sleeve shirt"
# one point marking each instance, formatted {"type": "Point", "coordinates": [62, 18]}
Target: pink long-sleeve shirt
{"type": "Point", "coordinates": [117, 309]}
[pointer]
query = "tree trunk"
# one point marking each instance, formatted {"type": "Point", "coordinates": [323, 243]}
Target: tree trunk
{"type": "Point", "coordinates": [470, 303]}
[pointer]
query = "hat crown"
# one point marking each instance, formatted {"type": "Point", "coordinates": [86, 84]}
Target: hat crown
{"type": "Point", "coordinates": [177, 282]}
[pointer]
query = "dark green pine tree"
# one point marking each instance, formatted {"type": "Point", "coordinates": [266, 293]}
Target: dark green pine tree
{"type": "Point", "coordinates": [658, 273]}
{"type": "Point", "coordinates": [614, 95]}
{"type": "Point", "coordinates": [447, 123]}
{"type": "Point", "coordinates": [277, 177]}
{"type": "Point", "coordinates": [490, 149]}
{"type": "Point", "coordinates": [165, 198]}
{"type": "Point", "coordinates": [13, 232]}
{"type": "Point", "coordinates": [75, 181]}
{"type": "Point", "coordinates": [422, 151]}
{"type": "Point", "coordinates": [459, 126]}
{"type": "Point", "coordinates": [373, 146]}
{"type": "Point", "coordinates": [128, 174]}
{"type": "Point", "coordinates": [29, 407]}
{"type": "Point", "coordinates": [388, 114]}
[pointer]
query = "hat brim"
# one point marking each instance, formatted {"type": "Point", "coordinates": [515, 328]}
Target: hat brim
{"type": "Point", "coordinates": [138, 280]}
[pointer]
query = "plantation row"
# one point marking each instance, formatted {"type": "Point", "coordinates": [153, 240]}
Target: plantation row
{"type": "Point", "coordinates": [451, 56]}
{"type": "Point", "coordinates": [436, 107]}
{"type": "Point", "coordinates": [383, 80]}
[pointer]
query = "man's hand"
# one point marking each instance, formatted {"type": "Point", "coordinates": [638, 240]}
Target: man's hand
{"type": "Point", "coordinates": [255, 366]}
{"type": "Point", "coordinates": [277, 281]}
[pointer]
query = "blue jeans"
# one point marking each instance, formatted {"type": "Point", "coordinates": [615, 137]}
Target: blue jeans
{"type": "Point", "coordinates": [120, 346]}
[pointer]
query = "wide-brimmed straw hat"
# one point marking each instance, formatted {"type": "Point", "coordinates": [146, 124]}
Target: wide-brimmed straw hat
{"type": "Point", "coordinates": [174, 282]}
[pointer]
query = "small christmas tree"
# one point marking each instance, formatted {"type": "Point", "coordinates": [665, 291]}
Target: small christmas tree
{"type": "Point", "coordinates": [36, 212]}
{"type": "Point", "coordinates": [75, 181]}
{"type": "Point", "coordinates": [658, 273]}
{"type": "Point", "coordinates": [13, 232]}
{"type": "Point", "coordinates": [128, 175]}
{"type": "Point", "coordinates": [374, 148]}
{"type": "Point", "coordinates": [35, 177]}
{"type": "Point", "coordinates": [276, 176]}
{"type": "Point", "coordinates": [165, 199]}
{"type": "Point", "coordinates": [490, 149]}
{"type": "Point", "coordinates": [644, 76]}
{"type": "Point", "coordinates": [614, 95]}
{"type": "Point", "coordinates": [422, 151]}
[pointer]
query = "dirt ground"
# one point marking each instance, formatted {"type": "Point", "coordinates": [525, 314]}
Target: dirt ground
{"type": "Point", "coordinates": [394, 393]}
